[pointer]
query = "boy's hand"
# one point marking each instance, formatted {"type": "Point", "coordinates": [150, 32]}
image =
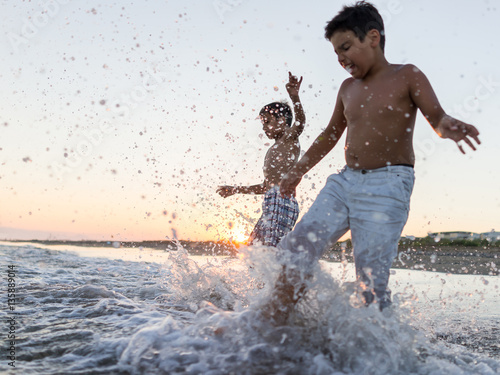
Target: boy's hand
{"type": "Point", "coordinates": [457, 130]}
{"type": "Point", "coordinates": [289, 183]}
{"type": "Point", "coordinates": [226, 191]}
{"type": "Point", "coordinates": [293, 85]}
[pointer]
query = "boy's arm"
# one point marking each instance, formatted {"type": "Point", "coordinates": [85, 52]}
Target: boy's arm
{"type": "Point", "coordinates": [318, 150]}
{"type": "Point", "coordinates": [226, 191]}
{"type": "Point", "coordinates": [293, 87]}
{"type": "Point", "coordinates": [423, 95]}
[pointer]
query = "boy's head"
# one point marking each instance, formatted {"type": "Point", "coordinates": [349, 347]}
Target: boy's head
{"type": "Point", "coordinates": [360, 19]}
{"type": "Point", "coordinates": [275, 117]}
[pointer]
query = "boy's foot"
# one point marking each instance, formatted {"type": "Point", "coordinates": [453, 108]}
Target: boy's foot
{"type": "Point", "coordinates": [368, 296]}
{"type": "Point", "coordinates": [284, 298]}
{"type": "Point", "coordinates": [383, 302]}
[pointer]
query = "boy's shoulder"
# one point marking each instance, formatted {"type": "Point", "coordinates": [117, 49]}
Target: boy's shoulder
{"type": "Point", "coordinates": [403, 70]}
{"type": "Point", "coordinates": [406, 68]}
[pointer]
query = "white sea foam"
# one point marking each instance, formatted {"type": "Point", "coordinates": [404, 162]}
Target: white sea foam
{"type": "Point", "coordinates": [201, 315]}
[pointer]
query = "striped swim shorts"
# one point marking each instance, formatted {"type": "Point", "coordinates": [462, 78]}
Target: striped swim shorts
{"type": "Point", "coordinates": [278, 218]}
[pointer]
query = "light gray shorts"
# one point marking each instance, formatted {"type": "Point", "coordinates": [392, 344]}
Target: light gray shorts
{"type": "Point", "coordinates": [373, 204]}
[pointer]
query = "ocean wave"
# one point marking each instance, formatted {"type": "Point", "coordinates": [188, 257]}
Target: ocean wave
{"type": "Point", "coordinates": [183, 314]}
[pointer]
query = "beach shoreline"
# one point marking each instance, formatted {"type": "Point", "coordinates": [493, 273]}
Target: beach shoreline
{"type": "Point", "coordinates": [481, 260]}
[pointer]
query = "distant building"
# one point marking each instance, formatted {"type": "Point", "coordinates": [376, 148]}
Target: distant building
{"type": "Point", "coordinates": [490, 236]}
{"type": "Point", "coordinates": [453, 235]}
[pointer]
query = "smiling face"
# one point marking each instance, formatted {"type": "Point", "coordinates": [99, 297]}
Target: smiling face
{"type": "Point", "coordinates": [354, 55]}
{"type": "Point", "coordinates": [272, 126]}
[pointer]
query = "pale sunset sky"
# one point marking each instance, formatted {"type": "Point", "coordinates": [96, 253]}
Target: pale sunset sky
{"type": "Point", "coordinates": [119, 119]}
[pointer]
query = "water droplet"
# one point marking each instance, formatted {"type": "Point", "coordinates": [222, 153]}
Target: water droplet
{"type": "Point", "coordinates": [311, 236]}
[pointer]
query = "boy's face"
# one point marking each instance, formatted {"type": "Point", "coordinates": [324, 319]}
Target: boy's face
{"type": "Point", "coordinates": [354, 55]}
{"type": "Point", "coordinates": [272, 126]}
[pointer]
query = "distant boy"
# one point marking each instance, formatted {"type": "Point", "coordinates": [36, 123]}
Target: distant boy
{"type": "Point", "coordinates": [371, 194]}
{"type": "Point", "coordinates": [279, 213]}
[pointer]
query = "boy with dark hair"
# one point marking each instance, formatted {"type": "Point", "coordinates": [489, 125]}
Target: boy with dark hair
{"type": "Point", "coordinates": [377, 107]}
{"type": "Point", "coordinates": [279, 213]}
{"type": "Point", "coordinates": [360, 19]}
{"type": "Point", "coordinates": [277, 109]}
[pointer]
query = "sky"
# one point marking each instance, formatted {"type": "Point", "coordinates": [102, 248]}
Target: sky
{"type": "Point", "coordinates": [119, 119]}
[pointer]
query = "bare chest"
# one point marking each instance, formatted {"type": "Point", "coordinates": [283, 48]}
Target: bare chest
{"type": "Point", "coordinates": [280, 158]}
{"type": "Point", "coordinates": [380, 102]}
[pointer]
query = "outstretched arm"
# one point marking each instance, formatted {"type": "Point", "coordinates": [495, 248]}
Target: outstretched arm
{"type": "Point", "coordinates": [293, 87]}
{"type": "Point", "coordinates": [226, 191]}
{"type": "Point", "coordinates": [445, 126]}
{"type": "Point", "coordinates": [318, 150]}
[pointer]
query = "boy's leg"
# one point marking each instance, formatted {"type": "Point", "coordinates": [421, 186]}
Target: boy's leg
{"type": "Point", "coordinates": [321, 227]}
{"type": "Point", "coordinates": [379, 211]}
{"type": "Point", "coordinates": [258, 232]}
{"type": "Point", "coordinates": [263, 227]}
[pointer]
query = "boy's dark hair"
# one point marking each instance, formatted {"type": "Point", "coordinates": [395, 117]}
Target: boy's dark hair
{"type": "Point", "coordinates": [359, 18]}
{"type": "Point", "coordinates": [277, 109]}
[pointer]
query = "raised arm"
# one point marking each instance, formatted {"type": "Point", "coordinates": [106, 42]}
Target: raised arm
{"type": "Point", "coordinates": [293, 87]}
{"type": "Point", "coordinates": [318, 150]}
{"type": "Point", "coordinates": [424, 97]}
{"type": "Point", "coordinates": [226, 190]}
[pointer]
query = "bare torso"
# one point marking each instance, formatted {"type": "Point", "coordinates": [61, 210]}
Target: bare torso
{"type": "Point", "coordinates": [380, 116]}
{"type": "Point", "coordinates": [279, 159]}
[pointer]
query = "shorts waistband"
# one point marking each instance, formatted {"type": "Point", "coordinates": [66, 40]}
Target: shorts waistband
{"type": "Point", "coordinates": [381, 169]}
{"type": "Point", "coordinates": [275, 190]}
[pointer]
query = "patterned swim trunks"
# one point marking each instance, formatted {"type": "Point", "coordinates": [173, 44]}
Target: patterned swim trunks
{"type": "Point", "coordinates": [278, 218]}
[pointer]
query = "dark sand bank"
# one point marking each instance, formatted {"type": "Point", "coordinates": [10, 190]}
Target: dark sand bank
{"type": "Point", "coordinates": [484, 260]}
{"type": "Point", "coordinates": [448, 258]}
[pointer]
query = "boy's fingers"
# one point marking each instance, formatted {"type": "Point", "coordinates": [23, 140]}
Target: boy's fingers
{"type": "Point", "coordinates": [467, 140]}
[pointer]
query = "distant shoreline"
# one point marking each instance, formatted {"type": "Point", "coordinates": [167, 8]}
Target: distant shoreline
{"type": "Point", "coordinates": [445, 257]}
{"type": "Point", "coordinates": [193, 247]}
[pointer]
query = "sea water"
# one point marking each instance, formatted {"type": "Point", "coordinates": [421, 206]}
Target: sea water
{"type": "Point", "coordinates": [84, 310]}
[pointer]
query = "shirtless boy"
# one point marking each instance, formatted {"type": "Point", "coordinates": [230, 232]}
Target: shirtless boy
{"type": "Point", "coordinates": [377, 107]}
{"type": "Point", "coordinates": [279, 213]}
